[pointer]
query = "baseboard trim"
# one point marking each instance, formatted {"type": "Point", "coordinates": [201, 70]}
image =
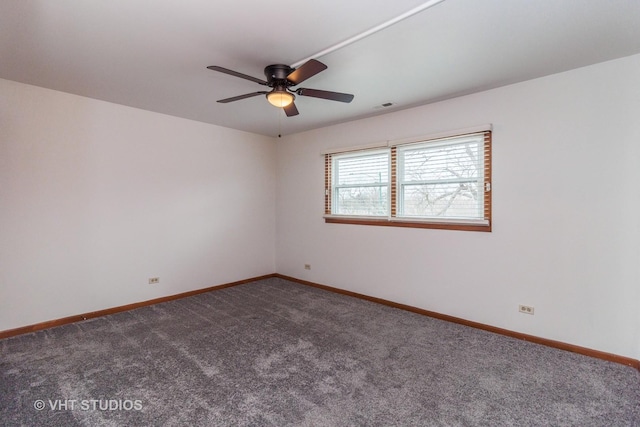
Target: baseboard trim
{"type": "Point", "coordinates": [531, 338]}
{"type": "Point", "coordinates": [91, 315]}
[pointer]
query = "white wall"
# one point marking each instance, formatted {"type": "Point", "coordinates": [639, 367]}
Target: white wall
{"type": "Point", "coordinates": [95, 198]}
{"type": "Point", "coordinates": [566, 240]}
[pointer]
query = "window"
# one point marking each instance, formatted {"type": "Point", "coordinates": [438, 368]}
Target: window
{"type": "Point", "coordinates": [361, 184]}
{"type": "Point", "coordinates": [430, 183]}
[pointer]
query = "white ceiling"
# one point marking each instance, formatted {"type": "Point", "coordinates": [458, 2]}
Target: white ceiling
{"type": "Point", "coordinates": [153, 54]}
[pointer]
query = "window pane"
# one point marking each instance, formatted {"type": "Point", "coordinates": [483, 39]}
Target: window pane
{"type": "Point", "coordinates": [442, 180]}
{"type": "Point", "coordinates": [368, 169]}
{"type": "Point", "coordinates": [370, 201]}
{"type": "Point", "coordinates": [452, 200]}
{"type": "Point", "coordinates": [458, 161]}
{"type": "Point", "coordinates": [361, 184]}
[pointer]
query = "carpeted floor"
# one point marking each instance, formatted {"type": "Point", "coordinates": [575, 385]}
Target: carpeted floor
{"type": "Point", "coordinates": [276, 353]}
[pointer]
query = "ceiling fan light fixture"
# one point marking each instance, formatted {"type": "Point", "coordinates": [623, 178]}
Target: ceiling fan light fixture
{"type": "Point", "coordinates": [280, 98]}
{"type": "Point", "coordinates": [280, 78]}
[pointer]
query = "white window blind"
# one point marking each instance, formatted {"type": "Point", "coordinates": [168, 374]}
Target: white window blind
{"type": "Point", "coordinates": [443, 179]}
{"type": "Point", "coordinates": [361, 184]}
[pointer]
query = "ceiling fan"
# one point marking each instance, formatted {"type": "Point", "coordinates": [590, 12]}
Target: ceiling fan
{"type": "Point", "coordinates": [280, 78]}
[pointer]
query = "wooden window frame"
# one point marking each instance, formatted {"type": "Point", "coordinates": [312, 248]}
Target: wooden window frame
{"type": "Point", "coordinates": [393, 220]}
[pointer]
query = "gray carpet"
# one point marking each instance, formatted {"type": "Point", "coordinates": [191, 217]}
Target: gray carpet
{"type": "Point", "coordinates": [276, 353]}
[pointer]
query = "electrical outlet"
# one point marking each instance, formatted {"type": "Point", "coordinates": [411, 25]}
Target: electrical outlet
{"type": "Point", "coordinates": [307, 266]}
{"type": "Point", "coordinates": [526, 309]}
{"type": "Point", "coordinates": [154, 280]}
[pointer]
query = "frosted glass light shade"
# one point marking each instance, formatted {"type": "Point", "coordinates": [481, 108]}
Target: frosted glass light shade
{"type": "Point", "coordinates": [280, 98]}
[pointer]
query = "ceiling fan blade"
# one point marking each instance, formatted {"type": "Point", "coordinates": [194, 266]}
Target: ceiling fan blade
{"type": "Point", "coordinates": [324, 94]}
{"type": "Point", "coordinates": [237, 74]}
{"type": "Point", "coordinates": [239, 97]}
{"type": "Point", "coordinates": [291, 110]}
{"type": "Point", "coordinates": [306, 70]}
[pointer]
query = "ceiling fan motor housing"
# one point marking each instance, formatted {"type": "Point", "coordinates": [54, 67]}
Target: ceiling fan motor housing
{"type": "Point", "coordinates": [276, 74]}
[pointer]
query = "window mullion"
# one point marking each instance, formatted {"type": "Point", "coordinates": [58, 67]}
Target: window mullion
{"type": "Point", "coordinates": [375, 184]}
{"type": "Point", "coordinates": [328, 179]}
{"type": "Point", "coordinates": [444, 181]}
{"type": "Point", "coordinates": [393, 181]}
